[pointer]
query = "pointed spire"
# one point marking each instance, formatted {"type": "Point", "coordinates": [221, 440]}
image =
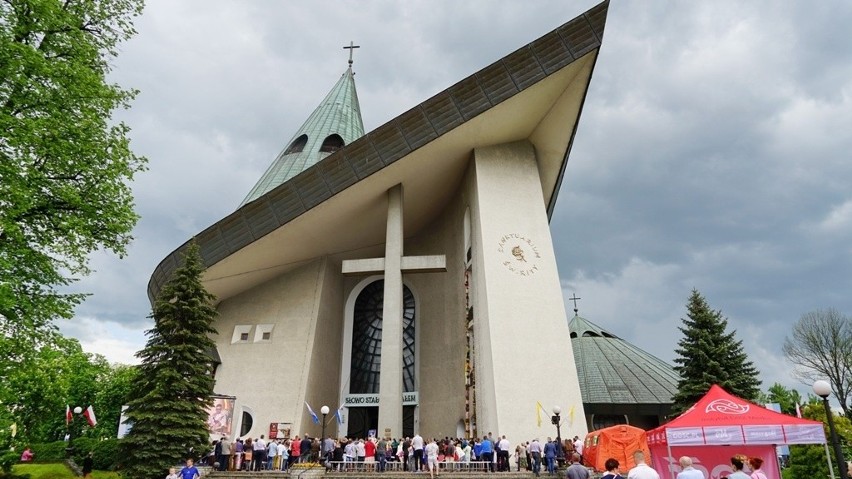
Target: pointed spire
{"type": "Point", "coordinates": [336, 122]}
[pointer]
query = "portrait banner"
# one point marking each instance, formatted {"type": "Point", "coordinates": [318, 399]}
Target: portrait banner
{"type": "Point", "coordinates": [220, 416]}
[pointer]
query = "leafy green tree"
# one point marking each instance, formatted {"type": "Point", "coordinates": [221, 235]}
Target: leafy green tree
{"type": "Point", "coordinates": [36, 391]}
{"type": "Point", "coordinates": [784, 397]}
{"type": "Point", "coordinates": [37, 387]}
{"type": "Point", "coordinates": [64, 165]}
{"type": "Point", "coordinates": [809, 461]}
{"type": "Point", "coordinates": [820, 345]}
{"type": "Point", "coordinates": [169, 401]}
{"type": "Point", "coordinates": [708, 355]}
{"type": "Point", "coordinates": [113, 392]}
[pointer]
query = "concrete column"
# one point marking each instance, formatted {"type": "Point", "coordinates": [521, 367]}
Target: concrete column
{"type": "Point", "coordinates": [523, 345]}
{"type": "Point", "coordinates": [390, 379]}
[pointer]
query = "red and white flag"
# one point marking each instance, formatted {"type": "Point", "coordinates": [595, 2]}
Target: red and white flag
{"type": "Point", "coordinates": [798, 411]}
{"type": "Point", "coordinates": [68, 416]}
{"type": "Point", "coordinates": [89, 414]}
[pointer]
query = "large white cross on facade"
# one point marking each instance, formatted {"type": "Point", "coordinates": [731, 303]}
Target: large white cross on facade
{"type": "Point", "coordinates": [393, 265]}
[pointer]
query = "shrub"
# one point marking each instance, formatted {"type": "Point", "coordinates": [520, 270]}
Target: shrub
{"type": "Point", "coordinates": [105, 454]}
{"type": "Point", "coordinates": [7, 460]}
{"type": "Point", "coordinates": [49, 452]}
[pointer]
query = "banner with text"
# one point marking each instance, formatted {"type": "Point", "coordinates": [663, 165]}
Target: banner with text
{"type": "Point", "coordinates": [713, 461]}
{"type": "Point", "coordinates": [367, 400]}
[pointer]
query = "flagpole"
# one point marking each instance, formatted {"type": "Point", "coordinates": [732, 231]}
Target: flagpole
{"type": "Point", "coordinates": [69, 421]}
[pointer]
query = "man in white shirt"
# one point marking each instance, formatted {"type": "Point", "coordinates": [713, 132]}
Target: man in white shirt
{"type": "Point", "coordinates": [687, 471]}
{"type": "Point", "coordinates": [432, 458]}
{"type": "Point", "coordinates": [259, 454]}
{"type": "Point", "coordinates": [535, 453]}
{"type": "Point", "coordinates": [417, 445]}
{"type": "Point", "coordinates": [578, 446]}
{"type": "Point", "coordinates": [503, 457]}
{"type": "Point", "coordinates": [642, 470]}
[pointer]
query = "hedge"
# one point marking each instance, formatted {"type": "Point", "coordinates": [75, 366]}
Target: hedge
{"type": "Point", "coordinates": [105, 453]}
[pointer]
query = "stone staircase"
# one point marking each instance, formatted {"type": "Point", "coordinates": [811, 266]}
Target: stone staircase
{"type": "Point", "coordinates": [314, 474]}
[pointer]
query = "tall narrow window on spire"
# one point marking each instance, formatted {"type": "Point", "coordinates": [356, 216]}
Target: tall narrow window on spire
{"type": "Point", "coordinates": [332, 143]}
{"type": "Point", "coordinates": [298, 145]}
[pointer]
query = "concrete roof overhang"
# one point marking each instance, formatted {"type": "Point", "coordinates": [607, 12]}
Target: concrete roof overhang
{"type": "Point", "coordinates": [339, 205]}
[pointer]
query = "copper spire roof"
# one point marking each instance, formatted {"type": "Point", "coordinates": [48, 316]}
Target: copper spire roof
{"type": "Point", "coordinates": [336, 122]}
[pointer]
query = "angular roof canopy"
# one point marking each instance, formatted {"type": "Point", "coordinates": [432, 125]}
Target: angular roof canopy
{"type": "Point", "coordinates": [613, 371]}
{"type": "Point", "coordinates": [339, 114]}
{"type": "Point", "coordinates": [535, 93]}
{"type": "Point", "coordinates": [720, 418]}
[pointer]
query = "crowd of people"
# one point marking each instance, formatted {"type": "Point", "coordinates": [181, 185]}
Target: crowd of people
{"type": "Point", "coordinates": [490, 453]}
{"type": "Point", "coordinates": [416, 454]}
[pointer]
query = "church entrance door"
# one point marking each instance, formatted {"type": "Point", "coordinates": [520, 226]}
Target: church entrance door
{"type": "Point", "coordinates": [363, 421]}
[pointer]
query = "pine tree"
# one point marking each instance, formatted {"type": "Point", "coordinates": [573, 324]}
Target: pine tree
{"type": "Point", "coordinates": [168, 404]}
{"type": "Point", "coordinates": [708, 355]}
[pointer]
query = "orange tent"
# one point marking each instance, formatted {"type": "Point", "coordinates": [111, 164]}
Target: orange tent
{"type": "Point", "coordinates": [617, 442]}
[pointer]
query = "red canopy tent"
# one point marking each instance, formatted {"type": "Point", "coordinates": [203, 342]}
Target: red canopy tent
{"type": "Point", "coordinates": [720, 419]}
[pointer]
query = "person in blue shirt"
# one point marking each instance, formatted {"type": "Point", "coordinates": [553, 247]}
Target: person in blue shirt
{"type": "Point", "coordinates": [189, 471]}
{"type": "Point", "coordinates": [550, 455]}
{"type": "Point", "coordinates": [487, 453]}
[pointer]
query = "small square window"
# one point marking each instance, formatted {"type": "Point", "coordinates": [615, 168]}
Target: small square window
{"type": "Point", "coordinates": [242, 334]}
{"type": "Point", "coordinates": [263, 333]}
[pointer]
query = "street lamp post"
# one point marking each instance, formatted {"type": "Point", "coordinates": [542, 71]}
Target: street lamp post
{"type": "Point", "coordinates": [560, 454]}
{"type": "Point", "coordinates": [324, 410]}
{"type": "Point", "coordinates": [69, 451]}
{"type": "Point", "coordinates": [823, 389]}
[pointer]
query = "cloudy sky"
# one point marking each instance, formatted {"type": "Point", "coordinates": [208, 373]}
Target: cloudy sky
{"type": "Point", "coordinates": [713, 151]}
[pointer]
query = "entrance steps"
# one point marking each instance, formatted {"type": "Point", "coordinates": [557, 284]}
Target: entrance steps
{"type": "Point", "coordinates": [312, 474]}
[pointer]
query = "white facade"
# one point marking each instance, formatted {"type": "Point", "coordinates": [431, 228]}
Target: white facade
{"type": "Point", "coordinates": [521, 348]}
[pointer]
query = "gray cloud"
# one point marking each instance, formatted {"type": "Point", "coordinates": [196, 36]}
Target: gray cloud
{"type": "Point", "coordinates": [713, 151]}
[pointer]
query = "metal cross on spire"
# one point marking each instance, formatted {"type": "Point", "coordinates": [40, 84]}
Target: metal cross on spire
{"type": "Point", "coordinates": [352, 46]}
{"type": "Point", "coordinates": [574, 298]}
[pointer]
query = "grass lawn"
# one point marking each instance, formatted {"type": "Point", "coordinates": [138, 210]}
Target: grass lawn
{"type": "Point", "coordinates": [57, 471]}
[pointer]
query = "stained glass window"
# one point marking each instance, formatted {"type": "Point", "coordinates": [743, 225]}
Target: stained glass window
{"type": "Point", "coordinates": [367, 340]}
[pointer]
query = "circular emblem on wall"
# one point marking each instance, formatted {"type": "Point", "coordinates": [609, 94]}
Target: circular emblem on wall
{"type": "Point", "coordinates": [519, 254]}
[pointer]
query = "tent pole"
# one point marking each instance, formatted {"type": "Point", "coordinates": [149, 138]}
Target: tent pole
{"type": "Point", "coordinates": [671, 469]}
{"type": "Point", "coordinates": [828, 459]}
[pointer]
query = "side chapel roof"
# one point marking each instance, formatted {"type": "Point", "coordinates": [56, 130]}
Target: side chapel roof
{"type": "Point", "coordinates": [613, 371]}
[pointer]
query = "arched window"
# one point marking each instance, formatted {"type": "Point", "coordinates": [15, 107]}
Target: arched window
{"type": "Point", "coordinates": [298, 145]}
{"type": "Point", "coordinates": [367, 340]}
{"type": "Point", "coordinates": [247, 422]}
{"type": "Point", "coordinates": [332, 143]}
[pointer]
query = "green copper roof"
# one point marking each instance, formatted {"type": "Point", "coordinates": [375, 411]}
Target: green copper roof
{"type": "Point", "coordinates": [613, 371]}
{"type": "Point", "coordinates": [338, 114]}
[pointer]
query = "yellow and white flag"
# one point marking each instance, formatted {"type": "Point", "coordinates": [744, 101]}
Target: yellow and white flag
{"type": "Point", "coordinates": [538, 409]}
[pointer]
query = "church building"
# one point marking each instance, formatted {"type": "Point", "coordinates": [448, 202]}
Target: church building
{"type": "Point", "coordinates": [406, 277]}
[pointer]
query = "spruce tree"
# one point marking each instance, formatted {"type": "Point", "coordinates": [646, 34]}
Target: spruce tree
{"type": "Point", "coordinates": [708, 355]}
{"type": "Point", "coordinates": [168, 404]}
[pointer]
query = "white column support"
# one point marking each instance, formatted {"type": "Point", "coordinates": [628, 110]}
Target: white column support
{"type": "Point", "coordinates": [390, 380]}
